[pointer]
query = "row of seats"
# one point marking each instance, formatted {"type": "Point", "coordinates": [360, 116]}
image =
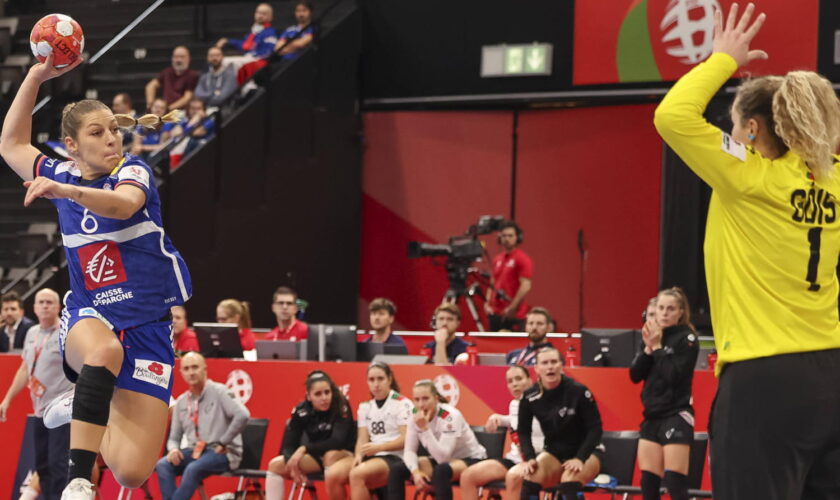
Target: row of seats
{"type": "Point", "coordinates": [619, 463]}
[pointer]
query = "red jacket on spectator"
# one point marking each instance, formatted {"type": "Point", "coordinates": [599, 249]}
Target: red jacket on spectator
{"type": "Point", "coordinates": [247, 339]}
{"type": "Point", "coordinates": [187, 341]}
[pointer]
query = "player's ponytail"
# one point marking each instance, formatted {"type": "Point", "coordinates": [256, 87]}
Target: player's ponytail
{"type": "Point", "coordinates": [150, 120]}
{"type": "Point", "coordinates": [807, 115]}
{"type": "Point", "coordinates": [233, 307]}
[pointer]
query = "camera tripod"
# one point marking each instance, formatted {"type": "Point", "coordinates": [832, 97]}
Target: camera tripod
{"type": "Point", "coordinates": [458, 289]}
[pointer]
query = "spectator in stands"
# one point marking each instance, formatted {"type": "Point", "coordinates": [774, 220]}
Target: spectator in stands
{"type": "Point", "coordinates": [293, 39]}
{"type": "Point", "coordinates": [260, 42]}
{"type": "Point", "coordinates": [298, 36]}
{"type": "Point", "coordinates": [42, 372]}
{"type": "Point", "coordinates": [445, 434]}
{"type": "Point", "coordinates": [538, 323]}
{"type": "Point", "coordinates": [285, 309]}
{"type": "Point", "coordinates": [197, 128]}
{"type": "Point", "coordinates": [446, 346]}
{"type": "Point", "coordinates": [121, 105]}
{"type": "Point", "coordinates": [177, 81]}
{"type": "Point", "coordinates": [238, 312]}
{"type": "Point", "coordinates": [382, 313]}
{"type": "Point", "coordinates": [211, 420]}
{"type": "Point", "coordinates": [184, 340]}
{"type": "Point", "coordinates": [148, 141]}
{"type": "Point", "coordinates": [218, 82]}
{"type": "Point", "coordinates": [15, 324]}
{"type": "Point", "coordinates": [508, 468]}
{"type": "Point", "coordinates": [512, 272]}
{"type": "Point", "coordinates": [327, 421]}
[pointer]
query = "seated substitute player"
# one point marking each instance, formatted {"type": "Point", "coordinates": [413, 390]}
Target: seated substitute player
{"type": "Point", "coordinates": [448, 438]}
{"type": "Point", "coordinates": [285, 309]}
{"type": "Point", "coordinates": [446, 346]}
{"type": "Point", "coordinates": [666, 364]}
{"type": "Point", "coordinates": [125, 275]}
{"type": "Point", "coordinates": [510, 467]}
{"type": "Point", "coordinates": [571, 423]}
{"type": "Point", "coordinates": [381, 438]}
{"type": "Point", "coordinates": [538, 323]}
{"type": "Point", "coordinates": [326, 420]}
{"type": "Point", "coordinates": [382, 315]}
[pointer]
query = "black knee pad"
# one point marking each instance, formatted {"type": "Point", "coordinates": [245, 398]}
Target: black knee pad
{"type": "Point", "coordinates": [94, 390]}
{"type": "Point", "coordinates": [677, 485]}
{"type": "Point", "coordinates": [530, 490]}
{"type": "Point", "coordinates": [651, 483]}
{"type": "Point", "coordinates": [570, 489]}
{"type": "Point", "coordinates": [397, 476]}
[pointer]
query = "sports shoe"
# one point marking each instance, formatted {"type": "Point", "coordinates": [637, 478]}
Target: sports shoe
{"type": "Point", "coordinates": [59, 411]}
{"type": "Point", "coordinates": [78, 489]}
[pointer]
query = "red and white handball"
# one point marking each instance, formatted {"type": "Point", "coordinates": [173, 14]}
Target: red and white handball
{"type": "Point", "coordinates": [59, 34]}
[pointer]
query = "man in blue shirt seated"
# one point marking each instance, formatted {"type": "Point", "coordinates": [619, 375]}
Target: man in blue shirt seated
{"type": "Point", "coordinates": [382, 315]}
{"type": "Point", "coordinates": [297, 36]}
{"type": "Point", "coordinates": [446, 346]}
{"type": "Point", "coordinates": [260, 42]}
{"type": "Point", "coordinates": [538, 323]}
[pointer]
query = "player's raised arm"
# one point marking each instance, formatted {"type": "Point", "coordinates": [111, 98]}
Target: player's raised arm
{"type": "Point", "coordinates": [15, 140]}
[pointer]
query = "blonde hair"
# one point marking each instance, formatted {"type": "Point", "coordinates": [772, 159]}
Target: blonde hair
{"type": "Point", "coordinates": [807, 114]}
{"type": "Point", "coordinates": [682, 300]}
{"type": "Point", "coordinates": [73, 113]}
{"type": "Point", "coordinates": [242, 308]}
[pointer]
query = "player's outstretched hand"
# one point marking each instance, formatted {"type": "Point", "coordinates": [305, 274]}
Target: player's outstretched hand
{"type": "Point", "coordinates": [42, 187]}
{"type": "Point", "coordinates": [735, 36]}
{"type": "Point", "coordinates": [45, 71]}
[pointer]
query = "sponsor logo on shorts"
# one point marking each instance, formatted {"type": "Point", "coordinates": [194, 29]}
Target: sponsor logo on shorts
{"type": "Point", "coordinates": [669, 433]}
{"type": "Point", "coordinates": [93, 313]}
{"type": "Point", "coordinates": [153, 372]}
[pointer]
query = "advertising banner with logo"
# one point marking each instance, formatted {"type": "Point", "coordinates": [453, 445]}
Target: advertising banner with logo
{"type": "Point", "coordinates": [270, 389]}
{"type": "Point", "coordinates": [629, 41]}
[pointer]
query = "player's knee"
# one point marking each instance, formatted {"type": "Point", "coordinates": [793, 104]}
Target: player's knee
{"type": "Point", "coordinates": [357, 475]}
{"type": "Point", "coordinates": [132, 477]}
{"type": "Point", "coordinates": [335, 475]}
{"type": "Point", "coordinates": [108, 354]}
{"type": "Point", "coordinates": [333, 456]}
{"type": "Point", "coordinates": [468, 477]}
{"type": "Point", "coordinates": [277, 465]}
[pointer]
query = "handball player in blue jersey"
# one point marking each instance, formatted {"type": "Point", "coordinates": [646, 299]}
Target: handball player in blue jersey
{"type": "Point", "coordinates": [125, 276]}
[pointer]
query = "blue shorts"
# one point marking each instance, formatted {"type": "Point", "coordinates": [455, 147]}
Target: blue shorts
{"type": "Point", "coordinates": [148, 358]}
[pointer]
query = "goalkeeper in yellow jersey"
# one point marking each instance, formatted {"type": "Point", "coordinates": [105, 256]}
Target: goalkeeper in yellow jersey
{"type": "Point", "coordinates": [771, 249]}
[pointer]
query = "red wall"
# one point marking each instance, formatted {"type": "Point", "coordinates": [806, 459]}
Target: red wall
{"type": "Point", "coordinates": [429, 175]}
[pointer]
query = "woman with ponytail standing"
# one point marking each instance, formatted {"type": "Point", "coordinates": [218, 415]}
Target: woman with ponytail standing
{"type": "Point", "coordinates": [125, 275]}
{"type": "Point", "coordinates": [771, 250]}
{"type": "Point", "coordinates": [666, 364]}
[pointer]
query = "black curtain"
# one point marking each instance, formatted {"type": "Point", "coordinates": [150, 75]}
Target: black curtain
{"type": "Point", "coordinates": [685, 203]}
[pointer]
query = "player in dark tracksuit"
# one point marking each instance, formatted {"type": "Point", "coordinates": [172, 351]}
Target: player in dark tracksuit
{"type": "Point", "coordinates": [666, 365]}
{"type": "Point", "coordinates": [571, 422]}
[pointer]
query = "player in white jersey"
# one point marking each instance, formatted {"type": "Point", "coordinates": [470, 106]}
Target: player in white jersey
{"type": "Point", "coordinates": [382, 425]}
{"type": "Point", "coordinates": [448, 438]}
{"type": "Point", "coordinates": [508, 468]}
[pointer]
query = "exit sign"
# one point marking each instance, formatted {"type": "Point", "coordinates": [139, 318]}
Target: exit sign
{"type": "Point", "coordinates": [533, 59]}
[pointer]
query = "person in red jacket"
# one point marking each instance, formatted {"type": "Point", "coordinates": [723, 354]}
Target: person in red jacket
{"type": "Point", "coordinates": [183, 339]}
{"type": "Point", "coordinates": [239, 312]}
{"type": "Point", "coordinates": [285, 309]}
{"type": "Point", "coordinates": [512, 271]}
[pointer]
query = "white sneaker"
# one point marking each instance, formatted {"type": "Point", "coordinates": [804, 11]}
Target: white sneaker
{"type": "Point", "coordinates": [78, 489]}
{"type": "Point", "coordinates": [59, 411]}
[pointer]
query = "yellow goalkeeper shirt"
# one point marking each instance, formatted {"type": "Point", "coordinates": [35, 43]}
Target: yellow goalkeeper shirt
{"type": "Point", "coordinates": [772, 234]}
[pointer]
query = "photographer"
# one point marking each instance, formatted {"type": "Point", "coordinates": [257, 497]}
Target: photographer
{"type": "Point", "coordinates": [512, 272]}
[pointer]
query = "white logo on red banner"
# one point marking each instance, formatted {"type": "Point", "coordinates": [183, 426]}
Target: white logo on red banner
{"type": "Point", "coordinates": [102, 265]}
{"type": "Point", "coordinates": [239, 382]}
{"type": "Point", "coordinates": [448, 387]}
{"type": "Point", "coordinates": [692, 24]}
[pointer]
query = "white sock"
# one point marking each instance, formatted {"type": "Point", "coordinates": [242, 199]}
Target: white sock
{"type": "Point", "coordinates": [274, 489]}
{"type": "Point", "coordinates": [28, 493]}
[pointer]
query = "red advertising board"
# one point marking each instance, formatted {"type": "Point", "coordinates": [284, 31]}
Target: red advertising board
{"type": "Point", "coordinates": [625, 41]}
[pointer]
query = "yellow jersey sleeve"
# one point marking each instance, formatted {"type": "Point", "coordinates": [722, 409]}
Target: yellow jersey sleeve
{"type": "Point", "coordinates": [772, 234]}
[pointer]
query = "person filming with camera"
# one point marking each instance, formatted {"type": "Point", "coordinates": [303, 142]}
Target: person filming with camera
{"type": "Point", "coordinates": [512, 272]}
